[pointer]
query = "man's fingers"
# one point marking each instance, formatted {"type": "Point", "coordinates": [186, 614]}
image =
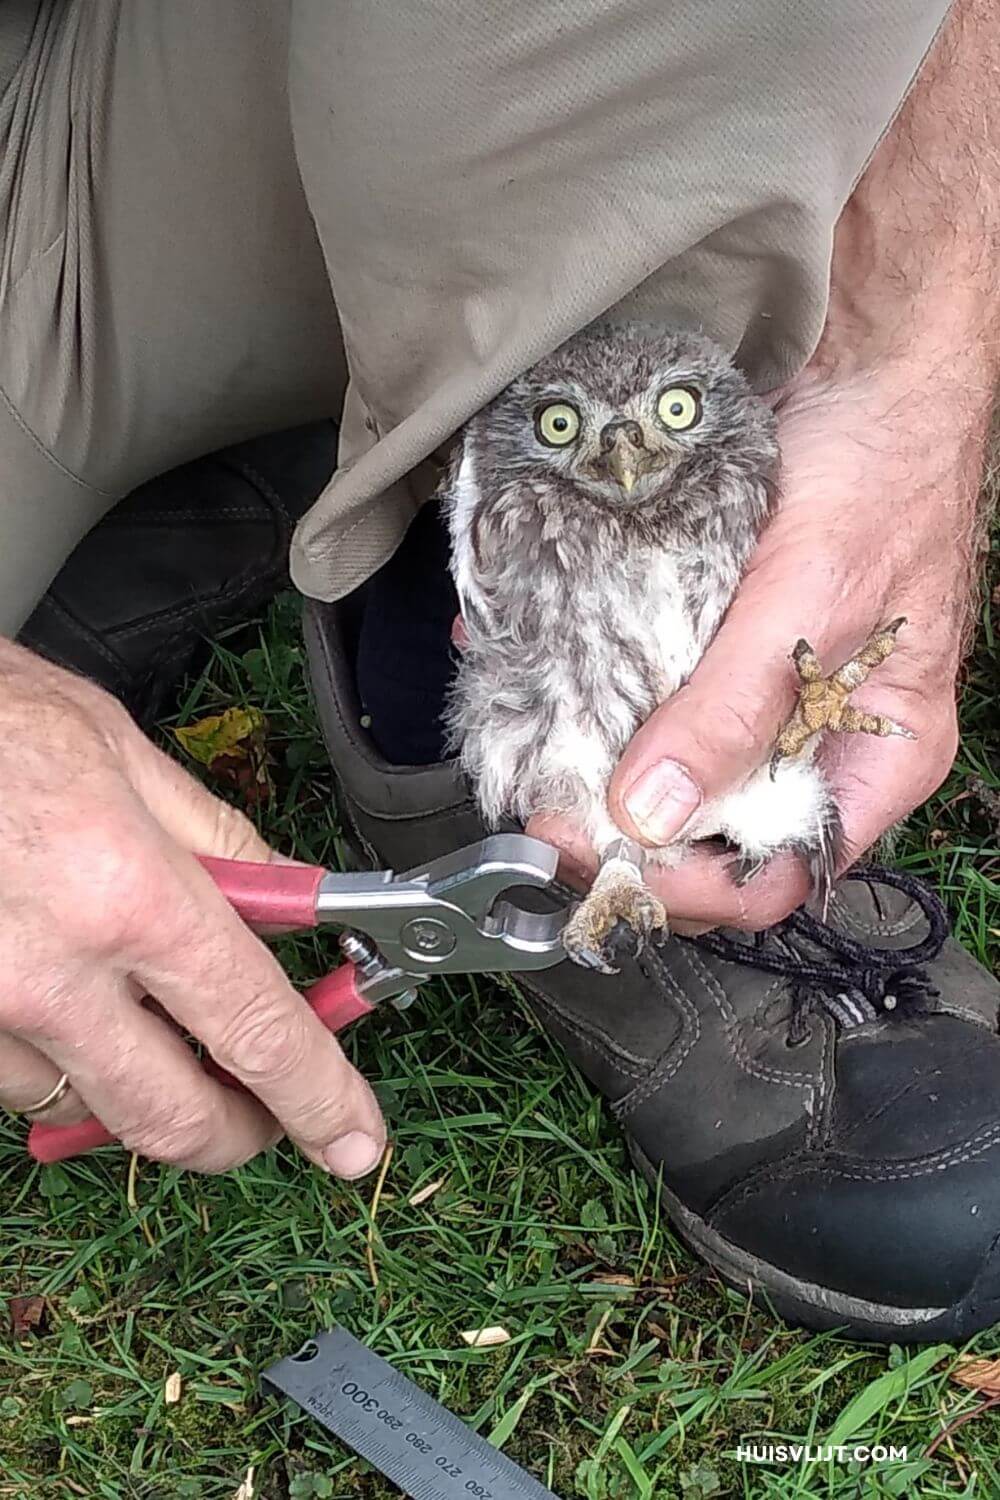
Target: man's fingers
{"type": "Point", "coordinates": [104, 890]}
{"type": "Point", "coordinates": [153, 909]}
{"type": "Point", "coordinates": [577, 859]}
{"type": "Point", "coordinates": [146, 1085]}
{"type": "Point", "coordinates": [222, 984]}
{"type": "Point", "coordinates": [702, 894]}
{"type": "Point", "coordinates": [27, 1076]}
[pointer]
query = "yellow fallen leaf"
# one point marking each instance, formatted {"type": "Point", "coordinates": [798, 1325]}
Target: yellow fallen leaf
{"type": "Point", "coordinates": [246, 1489]}
{"type": "Point", "coordinates": [978, 1374]}
{"type": "Point", "coordinates": [425, 1193]}
{"type": "Point", "coordinates": [232, 734]}
{"type": "Point", "coordinates": [172, 1389]}
{"type": "Point", "coordinates": [485, 1338]}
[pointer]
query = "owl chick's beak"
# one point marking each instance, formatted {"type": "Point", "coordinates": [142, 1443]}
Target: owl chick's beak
{"type": "Point", "coordinates": [625, 454]}
{"type": "Point", "coordinates": [623, 467]}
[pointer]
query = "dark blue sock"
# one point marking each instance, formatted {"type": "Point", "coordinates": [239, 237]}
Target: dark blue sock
{"type": "Point", "coordinates": [405, 657]}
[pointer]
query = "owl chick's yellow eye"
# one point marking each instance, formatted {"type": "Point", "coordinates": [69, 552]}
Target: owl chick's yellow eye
{"type": "Point", "coordinates": [557, 424]}
{"type": "Point", "coordinates": [679, 408]}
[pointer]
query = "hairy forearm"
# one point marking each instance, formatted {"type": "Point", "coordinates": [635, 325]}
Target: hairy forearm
{"type": "Point", "coordinates": [917, 249]}
{"type": "Point", "coordinates": [913, 327]}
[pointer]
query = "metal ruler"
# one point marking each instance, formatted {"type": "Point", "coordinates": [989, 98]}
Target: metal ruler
{"type": "Point", "coordinates": [414, 1441]}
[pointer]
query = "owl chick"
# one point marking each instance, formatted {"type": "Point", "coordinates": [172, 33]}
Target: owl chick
{"type": "Point", "coordinates": [602, 510]}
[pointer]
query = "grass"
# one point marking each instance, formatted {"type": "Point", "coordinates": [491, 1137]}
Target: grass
{"type": "Point", "coordinates": [637, 1388]}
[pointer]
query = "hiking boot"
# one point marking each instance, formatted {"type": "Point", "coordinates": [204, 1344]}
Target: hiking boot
{"type": "Point", "coordinates": [183, 558]}
{"type": "Point", "coordinates": [818, 1105]}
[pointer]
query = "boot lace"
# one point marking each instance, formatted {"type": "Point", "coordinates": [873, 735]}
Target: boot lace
{"type": "Point", "coordinates": [853, 981]}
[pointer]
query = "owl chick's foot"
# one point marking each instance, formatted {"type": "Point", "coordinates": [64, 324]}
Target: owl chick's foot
{"type": "Point", "coordinates": [823, 700]}
{"type": "Point", "coordinates": [619, 908]}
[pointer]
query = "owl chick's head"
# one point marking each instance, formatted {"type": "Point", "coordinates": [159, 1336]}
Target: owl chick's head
{"type": "Point", "coordinates": [632, 417]}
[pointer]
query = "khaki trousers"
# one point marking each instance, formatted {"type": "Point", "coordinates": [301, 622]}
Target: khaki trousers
{"type": "Point", "coordinates": [222, 217]}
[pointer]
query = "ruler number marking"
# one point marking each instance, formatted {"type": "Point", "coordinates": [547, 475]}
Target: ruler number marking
{"type": "Point", "coordinates": [420, 1445]}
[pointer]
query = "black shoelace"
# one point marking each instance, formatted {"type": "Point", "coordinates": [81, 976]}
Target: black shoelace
{"type": "Point", "coordinates": [858, 982]}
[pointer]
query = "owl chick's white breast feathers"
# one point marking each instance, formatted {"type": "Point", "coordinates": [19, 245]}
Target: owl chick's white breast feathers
{"type": "Point", "coordinates": [602, 510]}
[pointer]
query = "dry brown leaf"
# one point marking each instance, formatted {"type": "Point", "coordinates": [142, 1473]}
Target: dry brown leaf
{"type": "Point", "coordinates": [172, 1388]}
{"type": "Point", "coordinates": [485, 1338]}
{"type": "Point", "coordinates": [26, 1314]}
{"type": "Point", "coordinates": [426, 1192]}
{"type": "Point", "coordinates": [977, 1374]}
{"type": "Point", "coordinates": [612, 1278]}
{"type": "Point", "coordinates": [232, 745]}
{"type": "Point", "coordinates": [250, 778]}
{"type": "Point", "coordinates": [948, 1432]}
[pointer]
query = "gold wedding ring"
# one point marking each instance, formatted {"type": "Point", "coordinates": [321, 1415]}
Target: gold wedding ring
{"type": "Point", "coordinates": [58, 1091]}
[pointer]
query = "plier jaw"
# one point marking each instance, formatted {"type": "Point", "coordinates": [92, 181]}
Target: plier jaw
{"type": "Point", "coordinates": [457, 915]}
{"type": "Point", "coordinates": [462, 914]}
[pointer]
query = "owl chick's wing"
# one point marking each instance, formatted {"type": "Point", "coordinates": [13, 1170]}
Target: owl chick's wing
{"type": "Point", "coordinates": [462, 498]}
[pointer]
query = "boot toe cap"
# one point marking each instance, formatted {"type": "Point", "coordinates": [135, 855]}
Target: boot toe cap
{"type": "Point", "coordinates": [901, 1205]}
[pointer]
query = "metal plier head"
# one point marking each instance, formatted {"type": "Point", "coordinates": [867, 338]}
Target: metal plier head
{"type": "Point", "coordinates": [455, 915]}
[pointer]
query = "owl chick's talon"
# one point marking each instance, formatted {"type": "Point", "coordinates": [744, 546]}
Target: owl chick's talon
{"type": "Point", "coordinates": [589, 958]}
{"type": "Point", "coordinates": [616, 905]}
{"type": "Point", "coordinates": [822, 702]}
{"type": "Point", "coordinates": [806, 661]}
{"type": "Point", "coordinates": [628, 940]}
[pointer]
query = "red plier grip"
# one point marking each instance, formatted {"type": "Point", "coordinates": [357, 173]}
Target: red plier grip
{"type": "Point", "coordinates": [272, 895]}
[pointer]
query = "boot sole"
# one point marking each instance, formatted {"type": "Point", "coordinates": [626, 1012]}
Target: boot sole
{"type": "Point", "coordinates": [805, 1304]}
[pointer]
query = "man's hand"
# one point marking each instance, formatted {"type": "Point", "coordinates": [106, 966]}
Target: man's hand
{"type": "Point", "coordinates": [103, 903]}
{"type": "Point", "coordinates": [837, 564]}
{"type": "Point", "coordinates": [882, 441]}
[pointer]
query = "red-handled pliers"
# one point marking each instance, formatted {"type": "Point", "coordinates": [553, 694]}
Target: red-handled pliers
{"type": "Point", "coordinates": [455, 915]}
